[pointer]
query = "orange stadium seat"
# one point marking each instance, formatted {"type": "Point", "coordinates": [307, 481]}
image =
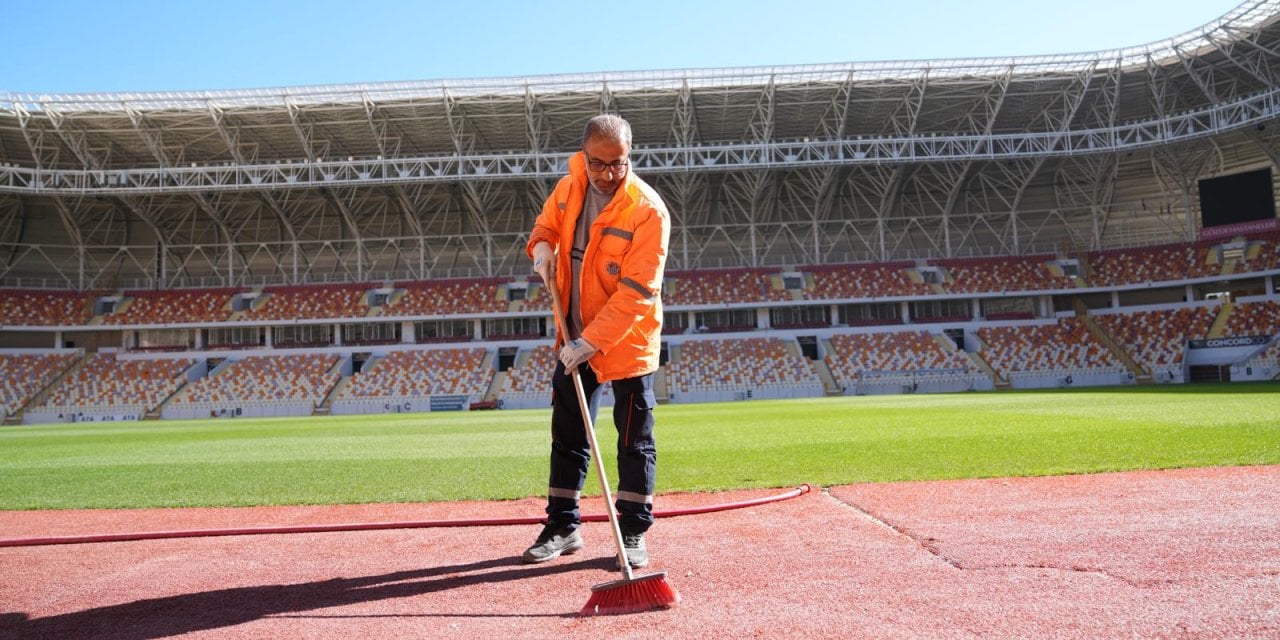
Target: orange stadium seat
{"type": "Point", "coordinates": [736, 363]}
{"type": "Point", "coordinates": [311, 302]}
{"type": "Point", "coordinates": [1150, 264]}
{"type": "Point", "coordinates": [424, 373]}
{"type": "Point", "coordinates": [719, 286]}
{"type": "Point", "coordinates": [1271, 354]}
{"type": "Point", "coordinates": [174, 306]}
{"type": "Point", "coordinates": [861, 281]}
{"type": "Point", "coordinates": [1001, 274]}
{"type": "Point", "coordinates": [1254, 318]}
{"type": "Point", "coordinates": [1065, 345]}
{"type": "Point", "coordinates": [448, 297]}
{"type": "Point", "coordinates": [103, 381]}
{"type": "Point", "coordinates": [1158, 338]}
{"type": "Point", "coordinates": [22, 376]}
{"type": "Point", "coordinates": [534, 375]}
{"type": "Point", "coordinates": [267, 378]}
{"type": "Point", "coordinates": [538, 299]}
{"type": "Point", "coordinates": [856, 357]}
{"type": "Point", "coordinates": [1268, 254]}
{"type": "Point", "coordinates": [39, 307]}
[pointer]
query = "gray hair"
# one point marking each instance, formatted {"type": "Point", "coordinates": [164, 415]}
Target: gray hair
{"type": "Point", "coordinates": [608, 127]}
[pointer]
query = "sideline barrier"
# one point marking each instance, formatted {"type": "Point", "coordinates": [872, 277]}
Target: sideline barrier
{"type": "Point", "coordinates": [1061, 378]}
{"type": "Point", "coordinates": [403, 404]}
{"type": "Point", "coordinates": [737, 392]}
{"type": "Point", "coordinates": [887, 385]}
{"type": "Point", "coordinates": [238, 409]}
{"type": "Point", "coordinates": [112, 413]}
{"type": "Point", "coordinates": [542, 399]}
{"type": "Point", "coordinates": [1255, 371]}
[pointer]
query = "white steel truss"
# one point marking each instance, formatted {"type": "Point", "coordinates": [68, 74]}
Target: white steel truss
{"type": "Point", "coordinates": [1251, 111]}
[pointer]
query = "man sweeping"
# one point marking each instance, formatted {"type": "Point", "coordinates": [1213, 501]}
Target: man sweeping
{"type": "Point", "coordinates": [601, 242]}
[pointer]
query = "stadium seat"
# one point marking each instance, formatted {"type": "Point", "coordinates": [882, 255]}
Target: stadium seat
{"type": "Point", "coordinates": [423, 373]}
{"type": "Point", "coordinates": [43, 308]}
{"type": "Point", "coordinates": [1063, 346]}
{"type": "Point", "coordinates": [1254, 318]}
{"type": "Point", "coordinates": [857, 357]}
{"type": "Point", "coordinates": [254, 379]}
{"type": "Point", "coordinates": [1001, 274]}
{"type": "Point", "coordinates": [22, 376]}
{"type": "Point", "coordinates": [174, 306]}
{"type": "Point", "coordinates": [736, 363]}
{"type": "Point", "coordinates": [448, 297]}
{"type": "Point", "coordinates": [1156, 339]}
{"type": "Point", "coordinates": [867, 280]}
{"type": "Point", "coordinates": [311, 302]}
{"type": "Point", "coordinates": [103, 381]}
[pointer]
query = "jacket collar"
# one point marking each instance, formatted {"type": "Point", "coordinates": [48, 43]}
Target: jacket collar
{"type": "Point", "coordinates": [578, 169]}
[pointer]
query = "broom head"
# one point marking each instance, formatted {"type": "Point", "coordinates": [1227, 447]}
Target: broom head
{"type": "Point", "coordinates": [639, 593]}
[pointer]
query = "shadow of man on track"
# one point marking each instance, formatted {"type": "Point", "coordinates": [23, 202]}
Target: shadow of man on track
{"type": "Point", "coordinates": [187, 613]}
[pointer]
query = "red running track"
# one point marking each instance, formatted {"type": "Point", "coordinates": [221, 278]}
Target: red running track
{"type": "Point", "coordinates": [1172, 554]}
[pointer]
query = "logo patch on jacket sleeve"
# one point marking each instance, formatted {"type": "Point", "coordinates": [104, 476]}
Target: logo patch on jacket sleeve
{"type": "Point", "coordinates": [613, 268]}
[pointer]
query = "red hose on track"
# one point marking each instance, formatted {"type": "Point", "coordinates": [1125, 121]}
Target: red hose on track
{"type": "Point", "coordinates": [373, 526]}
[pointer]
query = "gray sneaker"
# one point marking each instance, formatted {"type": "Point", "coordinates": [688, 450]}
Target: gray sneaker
{"type": "Point", "coordinates": [554, 541]}
{"type": "Point", "coordinates": [636, 551]}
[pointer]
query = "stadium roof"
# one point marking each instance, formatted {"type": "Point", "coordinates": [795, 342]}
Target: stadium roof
{"type": "Point", "coordinates": [1173, 50]}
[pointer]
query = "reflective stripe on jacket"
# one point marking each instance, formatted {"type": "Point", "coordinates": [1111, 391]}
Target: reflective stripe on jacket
{"type": "Point", "coordinates": [621, 287]}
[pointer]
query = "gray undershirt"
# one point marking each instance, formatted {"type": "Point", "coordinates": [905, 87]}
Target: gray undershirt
{"type": "Point", "coordinates": [591, 207]}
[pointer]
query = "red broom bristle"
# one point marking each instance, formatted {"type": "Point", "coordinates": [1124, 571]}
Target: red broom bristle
{"type": "Point", "coordinates": [643, 593]}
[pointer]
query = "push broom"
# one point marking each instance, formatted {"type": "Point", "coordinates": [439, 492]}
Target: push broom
{"type": "Point", "coordinates": [633, 593]}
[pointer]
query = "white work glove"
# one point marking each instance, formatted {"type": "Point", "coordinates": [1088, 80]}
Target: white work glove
{"type": "Point", "coordinates": [575, 353]}
{"type": "Point", "coordinates": [544, 263]}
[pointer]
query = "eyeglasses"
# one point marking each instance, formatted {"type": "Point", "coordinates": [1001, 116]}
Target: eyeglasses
{"type": "Point", "coordinates": [613, 167]}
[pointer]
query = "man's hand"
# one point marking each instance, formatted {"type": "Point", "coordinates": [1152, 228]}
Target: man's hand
{"type": "Point", "coordinates": [575, 353]}
{"type": "Point", "coordinates": [544, 263]}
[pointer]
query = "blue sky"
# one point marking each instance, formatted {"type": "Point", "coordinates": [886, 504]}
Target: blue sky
{"type": "Point", "coordinates": [82, 46]}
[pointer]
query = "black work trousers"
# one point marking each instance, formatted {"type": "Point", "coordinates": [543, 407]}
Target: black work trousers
{"type": "Point", "coordinates": [571, 454]}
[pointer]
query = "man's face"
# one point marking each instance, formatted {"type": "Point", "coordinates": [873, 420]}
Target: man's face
{"type": "Point", "coordinates": [607, 163]}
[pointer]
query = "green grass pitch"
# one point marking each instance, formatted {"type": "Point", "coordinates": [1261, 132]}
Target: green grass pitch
{"type": "Point", "coordinates": [702, 447]}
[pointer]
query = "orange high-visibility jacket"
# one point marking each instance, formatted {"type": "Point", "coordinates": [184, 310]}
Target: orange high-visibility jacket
{"type": "Point", "coordinates": [622, 269]}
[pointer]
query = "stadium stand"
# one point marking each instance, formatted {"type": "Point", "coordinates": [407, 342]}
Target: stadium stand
{"type": "Point", "coordinates": [1254, 318]}
{"type": "Point", "coordinates": [1268, 257]}
{"type": "Point", "coordinates": [333, 301]}
{"type": "Point", "coordinates": [102, 381]}
{"type": "Point", "coordinates": [866, 280]}
{"type": "Point", "coordinates": [174, 306]}
{"type": "Point", "coordinates": [423, 373]}
{"type": "Point", "coordinates": [448, 297]}
{"type": "Point", "coordinates": [1270, 355]}
{"type": "Point", "coordinates": [1066, 345]}
{"type": "Point", "coordinates": [533, 375]}
{"type": "Point", "coordinates": [256, 379]}
{"type": "Point", "coordinates": [857, 357]}
{"type": "Point", "coordinates": [1261, 253]}
{"type": "Point", "coordinates": [527, 384]}
{"type": "Point", "coordinates": [1158, 338]}
{"type": "Point", "coordinates": [1001, 274]}
{"type": "Point", "coordinates": [1163, 263]}
{"type": "Point", "coordinates": [43, 308]}
{"type": "Point", "coordinates": [22, 376]}
{"type": "Point", "coordinates": [719, 286]}
{"type": "Point", "coordinates": [537, 298]}
{"type": "Point", "coordinates": [738, 363]}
